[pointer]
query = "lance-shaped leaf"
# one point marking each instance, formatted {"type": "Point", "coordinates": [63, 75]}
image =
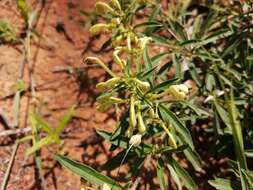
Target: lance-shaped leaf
{"type": "Point", "coordinates": [87, 172]}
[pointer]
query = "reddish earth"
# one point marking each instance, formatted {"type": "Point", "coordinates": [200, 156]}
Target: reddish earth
{"type": "Point", "coordinates": [56, 88]}
{"type": "Point", "coordinates": [61, 80]}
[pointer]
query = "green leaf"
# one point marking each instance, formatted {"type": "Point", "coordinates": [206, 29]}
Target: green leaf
{"type": "Point", "coordinates": [207, 23]}
{"type": "Point", "coordinates": [160, 40]}
{"type": "Point", "coordinates": [210, 82]}
{"type": "Point", "coordinates": [22, 6]}
{"type": "Point", "coordinates": [66, 118]}
{"type": "Point", "coordinates": [249, 177]}
{"type": "Point", "coordinates": [169, 149]}
{"type": "Point", "coordinates": [223, 114]}
{"type": "Point", "coordinates": [224, 184]}
{"type": "Point", "coordinates": [237, 132]}
{"type": "Point", "coordinates": [87, 172]}
{"type": "Point", "coordinates": [33, 122]}
{"type": "Point", "coordinates": [197, 27]}
{"type": "Point", "coordinates": [122, 142]}
{"type": "Point", "coordinates": [175, 177]}
{"type": "Point", "coordinates": [122, 127]}
{"type": "Point", "coordinates": [164, 85]}
{"type": "Point", "coordinates": [184, 176]}
{"type": "Point", "coordinates": [178, 30]}
{"type": "Point", "coordinates": [159, 57]}
{"type": "Point", "coordinates": [164, 70]}
{"type": "Point", "coordinates": [38, 145]}
{"type": "Point", "coordinates": [195, 108]}
{"type": "Point", "coordinates": [231, 46]}
{"type": "Point", "coordinates": [161, 175]}
{"type": "Point", "coordinates": [178, 67]}
{"type": "Point", "coordinates": [7, 34]}
{"type": "Point", "coordinates": [216, 36]}
{"type": "Point", "coordinates": [152, 18]}
{"type": "Point", "coordinates": [148, 62]}
{"type": "Point", "coordinates": [169, 116]}
{"type": "Point", "coordinates": [194, 74]}
{"type": "Point", "coordinates": [38, 123]}
{"type": "Point", "coordinates": [191, 155]}
{"type": "Point", "coordinates": [146, 74]}
{"type": "Point", "coordinates": [149, 25]}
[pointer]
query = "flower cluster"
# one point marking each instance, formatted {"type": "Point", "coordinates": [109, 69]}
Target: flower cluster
{"type": "Point", "coordinates": [126, 41]}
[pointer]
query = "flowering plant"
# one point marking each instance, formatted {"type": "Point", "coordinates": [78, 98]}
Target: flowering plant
{"type": "Point", "coordinates": [160, 109]}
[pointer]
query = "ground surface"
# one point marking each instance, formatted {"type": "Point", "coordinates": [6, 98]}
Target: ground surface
{"type": "Point", "coordinates": [61, 81]}
{"type": "Point", "coordinates": [63, 46]}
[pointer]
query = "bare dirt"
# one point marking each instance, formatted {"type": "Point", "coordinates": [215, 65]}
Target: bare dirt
{"type": "Point", "coordinates": [61, 81]}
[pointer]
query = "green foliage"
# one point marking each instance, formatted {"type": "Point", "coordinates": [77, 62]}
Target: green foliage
{"type": "Point", "coordinates": [38, 125]}
{"type": "Point", "coordinates": [7, 33]}
{"type": "Point", "coordinates": [24, 10]}
{"type": "Point", "coordinates": [87, 173]}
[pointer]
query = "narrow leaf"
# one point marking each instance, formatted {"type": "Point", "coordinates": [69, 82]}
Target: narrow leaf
{"type": "Point", "coordinates": [87, 172]}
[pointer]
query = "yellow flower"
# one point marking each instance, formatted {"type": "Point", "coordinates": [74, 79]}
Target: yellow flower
{"type": "Point", "coordinates": [102, 8]}
{"type": "Point", "coordinates": [111, 83]}
{"type": "Point", "coordinates": [98, 28]}
{"type": "Point", "coordinates": [145, 86]}
{"type": "Point", "coordinates": [116, 4]}
{"type": "Point", "coordinates": [132, 112]}
{"type": "Point", "coordinates": [141, 125]}
{"type": "Point", "coordinates": [179, 92]}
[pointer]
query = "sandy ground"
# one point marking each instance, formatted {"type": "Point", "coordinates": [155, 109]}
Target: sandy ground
{"type": "Point", "coordinates": [63, 44]}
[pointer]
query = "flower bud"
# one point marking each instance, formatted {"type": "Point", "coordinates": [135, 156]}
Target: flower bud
{"type": "Point", "coordinates": [106, 187]}
{"type": "Point", "coordinates": [151, 113]}
{"type": "Point", "coordinates": [209, 98]}
{"type": "Point", "coordinates": [95, 60]}
{"type": "Point", "coordinates": [115, 21]}
{"type": "Point", "coordinates": [172, 142]}
{"type": "Point", "coordinates": [171, 139]}
{"type": "Point", "coordinates": [141, 125]}
{"type": "Point", "coordinates": [183, 88]}
{"type": "Point", "coordinates": [117, 100]}
{"type": "Point", "coordinates": [179, 92]}
{"type": "Point", "coordinates": [118, 40]}
{"type": "Point", "coordinates": [132, 112]}
{"type": "Point", "coordinates": [97, 29]}
{"type": "Point", "coordinates": [117, 59]}
{"type": "Point", "coordinates": [145, 86]}
{"type": "Point", "coordinates": [101, 86]}
{"type": "Point", "coordinates": [129, 132]}
{"type": "Point", "coordinates": [102, 8]}
{"type": "Point", "coordinates": [219, 93]}
{"type": "Point", "coordinates": [136, 39]}
{"type": "Point", "coordinates": [111, 83]}
{"type": "Point", "coordinates": [144, 41]}
{"type": "Point", "coordinates": [116, 4]}
{"type": "Point", "coordinates": [135, 140]}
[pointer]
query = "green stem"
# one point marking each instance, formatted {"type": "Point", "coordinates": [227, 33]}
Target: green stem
{"type": "Point", "coordinates": [236, 130]}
